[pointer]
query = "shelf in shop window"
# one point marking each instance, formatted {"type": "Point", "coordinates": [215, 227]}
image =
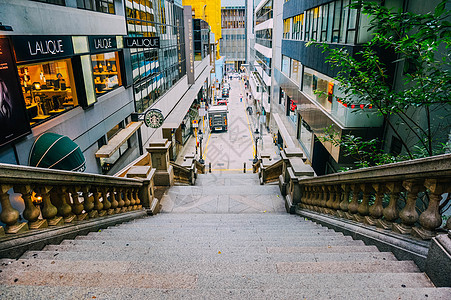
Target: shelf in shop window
{"type": "Point", "coordinates": [105, 73]}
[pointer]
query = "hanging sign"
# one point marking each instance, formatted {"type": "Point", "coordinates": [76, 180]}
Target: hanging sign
{"type": "Point", "coordinates": [153, 118]}
{"type": "Point", "coordinates": [141, 42]}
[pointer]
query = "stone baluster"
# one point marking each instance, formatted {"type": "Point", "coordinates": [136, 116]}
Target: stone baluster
{"type": "Point", "coordinates": [408, 214]}
{"type": "Point", "coordinates": [77, 205]}
{"type": "Point", "coordinates": [354, 204]}
{"type": "Point", "coordinates": [330, 201]}
{"type": "Point", "coordinates": [114, 203]}
{"type": "Point", "coordinates": [338, 195]}
{"type": "Point", "coordinates": [364, 206]}
{"type": "Point", "coordinates": [88, 203]}
{"type": "Point", "coordinates": [132, 200]}
{"type": "Point", "coordinates": [105, 201]}
{"type": "Point", "coordinates": [121, 202]}
{"type": "Point", "coordinates": [305, 195]}
{"type": "Point", "coordinates": [137, 200]}
{"type": "Point", "coordinates": [391, 211]}
{"type": "Point", "coordinates": [306, 199]}
{"type": "Point", "coordinates": [59, 198]}
{"type": "Point", "coordinates": [324, 198]}
{"type": "Point", "coordinates": [376, 210]}
{"type": "Point", "coordinates": [127, 199]}
{"type": "Point", "coordinates": [98, 206]}
{"type": "Point", "coordinates": [49, 211]}
{"type": "Point", "coordinates": [344, 204]}
{"type": "Point", "coordinates": [430, 219]}
{"type": "Point", "coordinates": [317, 199]}
{"type": "Point", "coordinates": [9, 215]}
{"type": "Point", "coordinates": [31, 212]}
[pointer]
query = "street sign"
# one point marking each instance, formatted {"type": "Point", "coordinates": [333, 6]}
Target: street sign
{"type": "Point", "coordinates": [202, 112]}
{"type": "Point", "coordinates": [195, 124]}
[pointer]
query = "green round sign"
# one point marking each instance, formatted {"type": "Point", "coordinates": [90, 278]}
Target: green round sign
{"type": "Point", "coordinates": [153, 118]}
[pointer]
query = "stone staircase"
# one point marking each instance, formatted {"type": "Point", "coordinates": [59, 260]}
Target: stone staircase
{"type": "Point", "coordinates": [215, 252]}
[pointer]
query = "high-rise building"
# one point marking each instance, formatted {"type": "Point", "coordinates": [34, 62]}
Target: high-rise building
{"type": "Point", "coordinates": [233, 42]}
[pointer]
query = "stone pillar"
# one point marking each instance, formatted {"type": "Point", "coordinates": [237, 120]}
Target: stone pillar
{"type": "Point", "coordinates": [159, 155]}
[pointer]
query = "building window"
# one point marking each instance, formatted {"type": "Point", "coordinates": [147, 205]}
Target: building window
{"type": "Point", "coordinates": [106, 71]}
{"type": "Point", "coordinates": [286, 28]}
{"type": "Point", "coordinates": [298, 24]}
{"type": "Point", "coordinates": [48, 89]}
{"type": "Point", "coordinates": [319, 87]}
{"type": "Point", "coordinates": [105, 6]}
{"type": "Point", "coordinates": [57, 2]}
{"type": "Point", "coordinates": [296, 69]}
{"type": "Point", "coordinates": [286, 65]}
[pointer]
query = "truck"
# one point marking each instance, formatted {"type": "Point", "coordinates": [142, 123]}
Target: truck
{"type": "Point", "coordinates": [217, 118]}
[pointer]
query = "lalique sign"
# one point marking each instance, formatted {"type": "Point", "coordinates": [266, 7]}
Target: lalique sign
{"type": "Point", "coordinates": [142, 42]}
{"type": "Point", "coordinates": [29, 48]}
{"type": "Point", "coordinates": [102, 43]}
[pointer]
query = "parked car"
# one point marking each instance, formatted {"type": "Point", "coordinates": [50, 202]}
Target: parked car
{"type": "Point", "coordinates": [225, 93]}
{"type": "Point", "coordinates": [221, 102]}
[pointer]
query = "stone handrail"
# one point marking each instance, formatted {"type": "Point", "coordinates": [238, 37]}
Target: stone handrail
{"type": "Point", "coordinates": [53, 197]}
{"type": "Point", "coordinates": [270, 171]}
{"type": "Point", "coordinates": [403, 197]}
{"type": "Point", "coordinates": [186, 172]}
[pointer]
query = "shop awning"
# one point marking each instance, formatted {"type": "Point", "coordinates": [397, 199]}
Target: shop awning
{"type": "Point", "coordinates": [175, 117]}
{"type": "Point", "coordinates": [120, 138]}
{"type": "Point", "coordinates": [55, 151]}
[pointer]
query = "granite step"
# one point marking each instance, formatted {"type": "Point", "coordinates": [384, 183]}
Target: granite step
{"type": "Point", "coordinates": [345, 241]}
{"type": "Point", "coordinates": [218, 281]}
{"type": "Point", "coordinates": [231, 268]}
{"type": "Point", "coordinates": [208, 256]}
{"type": "Point", "coordinates": [60, 292]}
{"type": "Point", "coordinates": [90, 247]}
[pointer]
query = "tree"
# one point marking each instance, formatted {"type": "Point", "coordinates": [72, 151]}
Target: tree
{"type": "Point", "coordinates": [421, 43]}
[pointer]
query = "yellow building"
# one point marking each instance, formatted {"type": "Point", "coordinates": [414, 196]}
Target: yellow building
{"type": "Point", "coordinates": [209, 11]}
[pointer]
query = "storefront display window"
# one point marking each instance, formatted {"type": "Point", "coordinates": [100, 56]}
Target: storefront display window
{"type": "Point", "coordinates": [106, 71]}
{"type": "Point", "coordinates": [319, 87]}
{"type": "Point", "coordinates": [48, 89]}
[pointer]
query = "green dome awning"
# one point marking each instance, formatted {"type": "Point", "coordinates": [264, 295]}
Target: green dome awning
{"type": "Point", "coordinates": [55, 151]}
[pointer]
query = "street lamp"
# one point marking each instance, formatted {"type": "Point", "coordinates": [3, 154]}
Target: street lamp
{"type": "Point", "coordinates": [256, 149]}
{"type": "Point", "coordinates": [201, 160]}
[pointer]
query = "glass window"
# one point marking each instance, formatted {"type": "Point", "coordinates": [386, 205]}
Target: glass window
{"type": "Point", "coordinates": [336, 27]}
{"type": "Point", "coordinates": [286, 65]}
{"type": "Point", "coordinates": [344, 21]}
{"type": "Point", "coordinates": [296, 69]}
{"type": "Point", "coordinates": [105, 6]}
{"type": "Point", "coordinates": [305, 137]}
{"type": "Point", "coordinates": [106, 71]}
{"type": "Point", "coordinates": [48, 89]}
{"type": "Point", "coordinates": [319, 87]}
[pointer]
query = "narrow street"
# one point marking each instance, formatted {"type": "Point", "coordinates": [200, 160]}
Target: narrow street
{"type": "Point", "coordinates": [228, 151]}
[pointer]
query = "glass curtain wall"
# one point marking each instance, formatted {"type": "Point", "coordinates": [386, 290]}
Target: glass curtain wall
{"type": "Point", "coordinates": [155, 70]}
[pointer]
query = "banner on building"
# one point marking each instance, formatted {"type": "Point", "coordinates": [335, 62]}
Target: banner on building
{"type": "Point", "coordinates": [189, 43]}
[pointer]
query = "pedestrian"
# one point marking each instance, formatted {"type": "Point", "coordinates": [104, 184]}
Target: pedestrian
{"type": "Point", "coordinates": [241, 97]}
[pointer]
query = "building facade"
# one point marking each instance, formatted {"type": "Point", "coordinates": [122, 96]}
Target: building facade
{"type": "Point", "coordinates": [233, 26]}
{"type": "Point", "coordinates": [260, 62]}
{"type": "Point", "coordinates": [305, 97]}
{"type": "Point", "coordinates": [82, 78]}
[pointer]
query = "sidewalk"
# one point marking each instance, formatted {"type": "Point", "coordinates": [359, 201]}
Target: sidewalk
{"type": "Point", "coordinates": [266, 142]}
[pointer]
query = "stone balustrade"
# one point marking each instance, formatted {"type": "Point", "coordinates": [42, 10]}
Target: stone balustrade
{"type": "Point", "coordinates": [53, 197]}
{"type": "Point", "coordinates": [407, 197]}
{"type": "Point", "coordinates": [186, 172]}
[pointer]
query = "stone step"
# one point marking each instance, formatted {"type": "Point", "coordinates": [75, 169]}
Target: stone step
{"type": "Point", "coordinates": [42, 292]}
{"type": "Point", "coordinates": [121, 267]}
{"type": "Point", "coordinates": [208, 250]}
{"type": "Point", "coordinates": [244, 190]}
{"type": "Point", "coordinates": [222, 232]}
{"type": "Point", "coordinates": [207, 256]}
{"type": "Point", "coordinates": [98, 241]}
{"type": "Point", "coordinates": [148, 236]}
{"type": "Point", "coordinates": [219, 281]}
